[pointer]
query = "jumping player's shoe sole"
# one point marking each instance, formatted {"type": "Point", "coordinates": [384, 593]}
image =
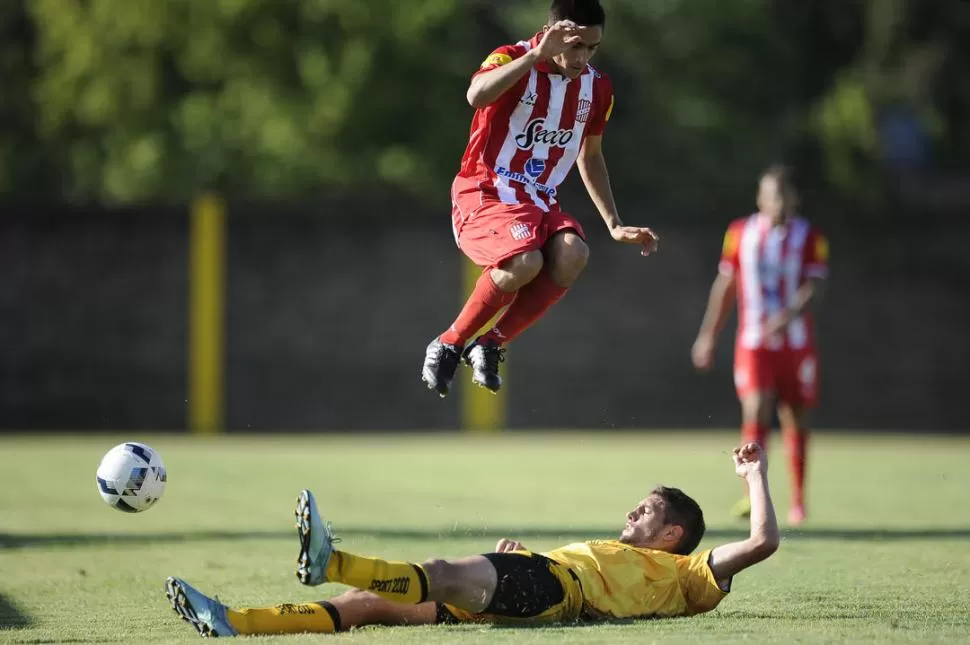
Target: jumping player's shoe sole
{"type": "Point", "coordinates": [186, 602]}
{"type": "Point", "coordinates": [316, 541]}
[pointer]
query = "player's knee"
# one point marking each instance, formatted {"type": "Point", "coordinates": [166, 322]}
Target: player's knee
{"type": "Point", "coordinates": [569, 255]}
{"type": "Point", "coordinates": [571, 251]}
{"type": "Point", "coordinates": [518, 271]}
{"type": "Point", "coordinates": [443, 576]}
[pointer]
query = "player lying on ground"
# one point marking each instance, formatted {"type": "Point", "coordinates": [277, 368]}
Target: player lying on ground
{"type": "Point", "coordinates": [776, 263]}
{"type": "Point", "coordinates": [540, 109]}
{"type": "Point", "coordinates": [647, 572]}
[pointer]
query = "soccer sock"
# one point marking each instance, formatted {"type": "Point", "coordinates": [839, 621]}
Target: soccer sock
{"type": "Point", "coordinates": [486, 301]}
{"type": "Point", "coordinates": [399, 581]}
{"type": "Point", "coordinates": [317, 618]}
{"type": "Point", "coordinates": [796, 444]}
{"type": "Point", "coordinates": [531, 302]}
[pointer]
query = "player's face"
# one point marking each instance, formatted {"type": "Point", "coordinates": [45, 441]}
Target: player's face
{"type": "Point", "coordinates": [573, 61]}
{"type": "Point", "coordinates": [645, 524]}
{"type": "Point", "coordinates": [773, 200]}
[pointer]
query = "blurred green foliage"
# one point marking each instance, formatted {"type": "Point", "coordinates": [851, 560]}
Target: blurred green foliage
{"type": "Point", "coordinates": [132, 100]}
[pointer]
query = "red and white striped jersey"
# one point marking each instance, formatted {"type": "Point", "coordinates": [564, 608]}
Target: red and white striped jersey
{"type": "Point", "coordinates": [770, 264]}
{"type": "Point", "coordinates": [523, 145]}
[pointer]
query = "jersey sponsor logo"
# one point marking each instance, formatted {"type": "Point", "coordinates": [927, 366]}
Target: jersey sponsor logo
{"type": "Point", "coordinates": [288, 608]}
{"type": "Point", "coordinates": [583, 110]}
{"type": "Point", "coordinates": [536, 132]}
{"type": "Point", "coordinates": [523, 178]}
{"type": "Point", "coordinates": [520, 231]}
{"type": "Point", "coordinates": [392, 585]}
{"type": "Point", "coordinates": [497, 60]}
{"type": "Point", "coordinates": [535, 167]}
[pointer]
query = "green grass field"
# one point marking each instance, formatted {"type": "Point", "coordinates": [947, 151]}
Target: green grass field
{"type": "Point", "coordinates": [884, 557]}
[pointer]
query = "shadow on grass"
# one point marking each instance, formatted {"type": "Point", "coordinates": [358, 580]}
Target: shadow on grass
{"type": "Point", "coordinates": [11, 617]}
{"type": "Point", "coordinates": [27, 540]}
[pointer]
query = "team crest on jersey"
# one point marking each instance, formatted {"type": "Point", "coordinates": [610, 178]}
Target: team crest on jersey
{"type": "Point", "coordinates": [520, 231]}
{"type": "Point", "coordinates": [583, 110]}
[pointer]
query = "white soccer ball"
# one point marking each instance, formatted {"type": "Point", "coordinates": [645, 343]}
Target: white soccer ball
{"type": "Point", "coordinates": [131, 477]}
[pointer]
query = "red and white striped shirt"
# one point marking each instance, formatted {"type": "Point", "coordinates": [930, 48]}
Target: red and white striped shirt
{"type": "Point", "coordinates": [523, 145]}
{"type": "Point", "coordinates": [770, 264]}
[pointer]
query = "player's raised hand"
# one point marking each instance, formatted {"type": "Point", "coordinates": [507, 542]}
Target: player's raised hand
{"type": "Point", "coordinates": [636, 235]}
{"type": "Point", "coordinates": [558, 38]}
{"type": "Point", "coordinates": [749, 459]}
{"type": "Point", "coordinates": [505, 545]}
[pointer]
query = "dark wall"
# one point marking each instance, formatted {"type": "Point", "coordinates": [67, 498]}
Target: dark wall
{"type": "Point", "coordinates": [327, 324]}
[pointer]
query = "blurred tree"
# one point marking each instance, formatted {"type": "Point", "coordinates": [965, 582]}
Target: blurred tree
{"type": "Point", "coordinates": [21, 158]}
{"type": "Point", "coordinates": [127, 100]}
{"type": "Point", "coordinates": [160, 98]}
{"type": "Point", "coordinates": [709, 93]}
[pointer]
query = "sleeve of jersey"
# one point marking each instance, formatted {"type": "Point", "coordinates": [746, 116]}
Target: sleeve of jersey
{"type": "Point", "coordinates": [729, 252]}
{"type": "Point", "coordinates": [603, 110]}
{"type": "Point", "coordinates": [702, 591]}
{"type": "Point", "coordinates": [501, 56]}
{"type": "Point", "coordinates": [817, 256]}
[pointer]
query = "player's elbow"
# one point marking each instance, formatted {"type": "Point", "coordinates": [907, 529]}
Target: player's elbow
{"type": "Point", "coordinates": [476, 97]}
{"type": "Point", "coordinates": [766, 545]}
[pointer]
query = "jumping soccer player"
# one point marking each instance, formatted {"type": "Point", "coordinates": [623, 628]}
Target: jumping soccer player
{"type": "Point", "coordinates": [775, 262]}
{"type": "Point", "coordinates": [647, 572]}
{"type": "Point", "coordinates": [540, 108]}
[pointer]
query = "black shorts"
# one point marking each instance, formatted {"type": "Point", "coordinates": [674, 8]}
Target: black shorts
{"type": "Point", "coordinates": [531, 588]}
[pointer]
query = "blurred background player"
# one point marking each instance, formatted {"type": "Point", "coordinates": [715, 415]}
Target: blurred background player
{"type": "Point", "coordinates": [775, 263]}
{"type": "Point", "coordinates": [540, 109]}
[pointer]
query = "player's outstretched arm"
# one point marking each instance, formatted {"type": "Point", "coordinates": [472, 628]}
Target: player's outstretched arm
{"type": "Point", "coordinates": [728, 560]}
{"type": "Point", "coordinates": [596, 178]}
{"type": "Point", "coordinates": [718, 305]}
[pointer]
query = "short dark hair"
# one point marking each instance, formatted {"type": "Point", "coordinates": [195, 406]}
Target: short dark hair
{"type": "Point", "coordinates": [681, 510]}
{"type": "Point", "coordinates": [585, 13]}
{"type": "Point", "coordinates": [784, 175]}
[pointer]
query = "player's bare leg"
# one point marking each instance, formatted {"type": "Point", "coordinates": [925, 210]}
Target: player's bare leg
{"type": "Point", "coordinates": [566, 255]}
{"type": "Point", "coordinates": [756, 416]}
{"type": "Point", "coordinates": [495, 288]}
{"type": "Point", "coordinates": [467, 583]}
{"type": "Point", "coordinates": [795, 432]}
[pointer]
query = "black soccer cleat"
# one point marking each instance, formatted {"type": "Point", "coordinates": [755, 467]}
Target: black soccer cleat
{"type": "Point", "coordinates": [440, 362]}
{"type": "Point", "coordinates": [484, 360]}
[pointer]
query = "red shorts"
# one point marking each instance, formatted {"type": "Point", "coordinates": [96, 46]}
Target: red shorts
{"type": "Point", "coordinates": [792, 374]}
{"type": "Point", "coordinates": [489, 231]}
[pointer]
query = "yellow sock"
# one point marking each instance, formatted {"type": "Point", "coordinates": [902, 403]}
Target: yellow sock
{"type": "Point", "coordinates": [399, 581]}
{"type": "Point", "coordinates": [318, 618]}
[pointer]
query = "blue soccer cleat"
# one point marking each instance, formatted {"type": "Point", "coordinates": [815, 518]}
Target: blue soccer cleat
{"type": "Point", "coordinates": [316, 541]}
{"type": "Point", "coordinates": [208, 616]}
